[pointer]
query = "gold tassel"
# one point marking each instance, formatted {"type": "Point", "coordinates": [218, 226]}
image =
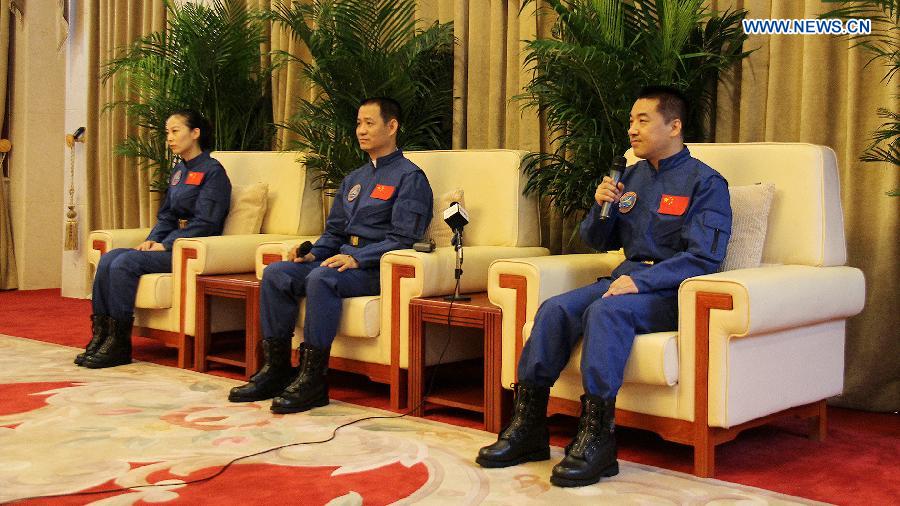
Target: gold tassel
{"type": "Point", "coordinates": [71, 230]}
{"type": "Point", "coordinates": [71, 237]}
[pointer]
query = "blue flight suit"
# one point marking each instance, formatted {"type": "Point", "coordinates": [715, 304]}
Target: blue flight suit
{"type": "Point", "coordinates": [199, 195]}
{"type": "Point", "coordinates": [381, 207]}
{"type": "Point", "coordinates": [675, 226]}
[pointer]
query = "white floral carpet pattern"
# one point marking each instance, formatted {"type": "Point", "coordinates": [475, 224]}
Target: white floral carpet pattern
{"type": "Point", "coordinates": [66, 429]}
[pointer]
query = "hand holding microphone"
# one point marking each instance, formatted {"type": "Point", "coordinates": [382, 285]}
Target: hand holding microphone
{"type": "Point", "coordinates": [302, 252]}
{"type": "Point", "coordinates": [610, 189]}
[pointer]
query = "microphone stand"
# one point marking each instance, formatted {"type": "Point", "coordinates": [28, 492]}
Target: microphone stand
{"type": "Point", "coordinates": [457, 242]}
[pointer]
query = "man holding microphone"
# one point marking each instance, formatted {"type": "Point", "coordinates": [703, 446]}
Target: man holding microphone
{"type": "Point", "coordinates": [672, 215]}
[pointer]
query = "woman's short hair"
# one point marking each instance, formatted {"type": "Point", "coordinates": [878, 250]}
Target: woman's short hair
{"type": "Point", "coordinates": [194, 119]}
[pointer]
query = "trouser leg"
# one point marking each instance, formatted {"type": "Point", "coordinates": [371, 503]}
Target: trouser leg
{"type": "Point", "coordinates": [558, 326]}
{"type": "Point", "coordinates": [325, 290]}
{"type": "Point", "coordinates": [283, 284]}
{"type": "Point", "coordinates": [610, 325]}
{"type": "Point", "coordinates": [117, 277]}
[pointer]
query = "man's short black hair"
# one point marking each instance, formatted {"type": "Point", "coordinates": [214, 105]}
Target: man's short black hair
{"type": "Point", "coordinates": [390, 108]}
{"type": "Point", "coordinates": [672, 103]}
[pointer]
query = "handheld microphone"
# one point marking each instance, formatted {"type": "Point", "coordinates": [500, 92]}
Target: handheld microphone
{"type": "Point", "coordinates": [615, 172]}
{"type": "Point", "coordinates": [456, 216]}
{"type": "Point", "coordinates": [304, 249]}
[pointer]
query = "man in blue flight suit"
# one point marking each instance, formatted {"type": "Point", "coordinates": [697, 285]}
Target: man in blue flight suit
{"type": "Point", "coordinates": [673, 219]}
{"type": "Point", "coordinates": [384, 205]}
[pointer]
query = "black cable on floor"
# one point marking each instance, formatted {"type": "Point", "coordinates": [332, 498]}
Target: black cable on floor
{"type": "Point", "coordinates": [276, 448]}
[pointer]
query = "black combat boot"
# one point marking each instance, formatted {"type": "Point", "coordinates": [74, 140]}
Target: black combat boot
{"type": "Point", "coordinates": [526, 438]}
{"type": "Point", "coordinates": [592, 454]}
{"type": "Point", "coordinates": [116, 348]}
{"type": "Point", "coordinates": [99, 331]}
{"type": "Point", "coordinates": [275, 374]}
{"type": "Point", "coordinates": [310, 389]}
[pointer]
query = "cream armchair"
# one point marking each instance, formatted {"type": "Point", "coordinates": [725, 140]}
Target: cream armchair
{"type": "Point", "coordinates": [165, 303]}
{"type": "Point", "coordinates": [373, 335]}
{"type": "Point", "coordinates": [752, 344]}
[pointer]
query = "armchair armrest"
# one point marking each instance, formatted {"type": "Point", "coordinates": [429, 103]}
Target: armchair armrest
{"type": "Point", "coordinates": [543, 277]}
{"type": "Point", "coordinates": [224, 254]}
{"type": "Point", "coordinates": [777, 297]}
{"type": "Point", "coordinates": [102, 241]}
{"type": "Point", "coordinates": [434, 271]}
{"type": "Point", "coordinates": [276, 251]}
{"type": "Point", "coordinates": [727, 316]}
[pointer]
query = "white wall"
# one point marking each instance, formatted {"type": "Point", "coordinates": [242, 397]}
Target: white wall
{"type": "Point", "coordinates": [75, 268]}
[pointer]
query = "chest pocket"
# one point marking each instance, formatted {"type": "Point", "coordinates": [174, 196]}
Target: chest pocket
{"type": "Point", "coordinates": [182, 197]}
{"type": "Point", "coordinates": [373, 210]}
{"type": "Point", "coordinates": [667, 229]}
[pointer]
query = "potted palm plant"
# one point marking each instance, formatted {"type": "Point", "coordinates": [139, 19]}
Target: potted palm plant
{"type": "Point", "coordinates": [208, 58]}
{"type": "Point", "coordinates": [586, 78]}
{"type": "Point", "coordinates": [359, 49]}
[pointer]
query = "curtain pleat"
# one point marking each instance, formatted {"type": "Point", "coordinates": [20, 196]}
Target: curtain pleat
{"type": "Point", "coordinates": [118, 193]}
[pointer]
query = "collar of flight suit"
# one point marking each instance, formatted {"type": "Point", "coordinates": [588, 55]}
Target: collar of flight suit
{"type": "Point", "coordinates": [388, 158]}
{"type": "Point", "coordinates": [197, 160]}
{"type": "Point", "coordinates": [674, 160]}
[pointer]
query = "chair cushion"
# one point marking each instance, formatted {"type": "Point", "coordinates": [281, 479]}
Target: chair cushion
{"type": "Point", "coordinates": [154, 291]}
{"type": "Point", "coordinates": [248, 208]}
{"type": "Point", "coordinates": [438, 230]}
{"type": "Point", "coordinates": [361, 317]}
{"type": "Point", "coordinates": [750, 207]}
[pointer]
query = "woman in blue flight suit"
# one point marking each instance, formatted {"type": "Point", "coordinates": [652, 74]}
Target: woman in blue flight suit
{"type": "Point", "coordinates": [196, 204]}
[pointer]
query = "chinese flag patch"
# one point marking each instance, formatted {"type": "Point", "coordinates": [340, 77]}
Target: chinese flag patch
{"type": "Point", "coordinates": [382, 192]}
{"type": "Point", "coordinates": [673, 204]}
{"type": "Point", "coordinates": [194, 178]}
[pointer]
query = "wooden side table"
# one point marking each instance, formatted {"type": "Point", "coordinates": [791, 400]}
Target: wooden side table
{"type": "Point", "coordinates": [234, 286]}
{"type": "Point", "coordinates": [477, 313]}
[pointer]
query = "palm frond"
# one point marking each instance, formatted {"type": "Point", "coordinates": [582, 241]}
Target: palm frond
{"type": "Point", "coordinates": [587, 76]}
{"type": "Point", "coordinates": [359, 49]}
{"type": "Point", "coordinates": [208, 58]}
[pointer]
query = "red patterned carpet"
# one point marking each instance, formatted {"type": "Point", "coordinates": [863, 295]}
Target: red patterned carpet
{"type": "Point", "coordinates": [853, 466]}
{"type": "Point", "coordinates": [145, 433]}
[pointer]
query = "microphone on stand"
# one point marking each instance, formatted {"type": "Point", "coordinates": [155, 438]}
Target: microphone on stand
{"type": "Point", "coordinates": [615, 172]}
{"type": "Point", "coordinates": [457, 218]}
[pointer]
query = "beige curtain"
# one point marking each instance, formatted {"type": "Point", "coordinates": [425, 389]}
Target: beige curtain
{"type": "Point", "coordinates": [8, 276]}
{"type": "Point", "coordinates": [816, 89]}
{"type": "Point", "coordinates": [117, 191]}
{"type": "Point", "coordinates": [287, 85]}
